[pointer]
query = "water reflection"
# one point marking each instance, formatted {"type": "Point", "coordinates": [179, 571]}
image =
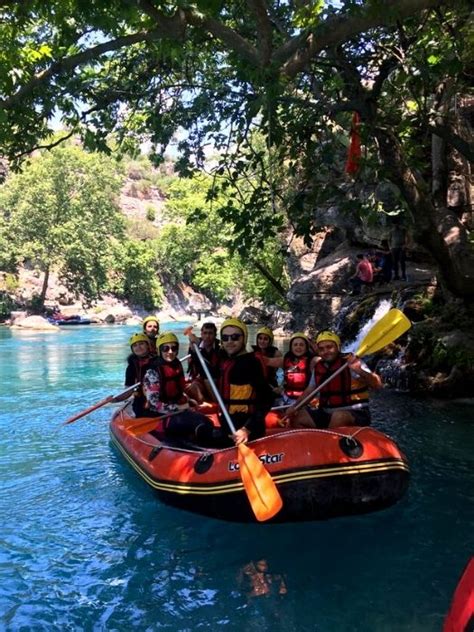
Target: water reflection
{"type": "Point", "coordinates": [256, 580]}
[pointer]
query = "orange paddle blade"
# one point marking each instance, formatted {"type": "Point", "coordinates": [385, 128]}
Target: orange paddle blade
{"type": "Point", "coordinates": [262, 492]}
{"type": "Point", "coordinates": [138, 428]}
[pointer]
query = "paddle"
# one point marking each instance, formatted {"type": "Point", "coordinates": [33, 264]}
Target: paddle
{"type": "Point", "coordinates": [111, 398]}
{"type": "Point", "coordinates": [259, 486]}
{"type": "Point", "coordinates": [386, 330]}
{"type": "Point", "coordinates": [137, 427]}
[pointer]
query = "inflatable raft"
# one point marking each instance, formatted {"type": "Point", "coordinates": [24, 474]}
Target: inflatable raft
{"type": "Point", "coordinates": [319, 474]}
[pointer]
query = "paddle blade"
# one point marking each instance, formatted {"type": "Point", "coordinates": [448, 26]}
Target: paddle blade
{"type": "Point", "coordinates": [386, 330]}
{"type": "Point", "coordinates": [262, 493]}
{"type": "Point", "coordinates": [138, 428]}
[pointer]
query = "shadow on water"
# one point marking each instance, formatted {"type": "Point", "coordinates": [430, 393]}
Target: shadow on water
{"type": "Point", "coordinates": [86, 545]}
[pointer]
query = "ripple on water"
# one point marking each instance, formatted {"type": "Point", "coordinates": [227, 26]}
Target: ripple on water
{"type": "Point", "coordinates": [85, 545]}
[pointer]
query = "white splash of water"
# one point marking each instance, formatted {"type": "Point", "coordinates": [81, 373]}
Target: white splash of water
{"type": "Point", "coordinates": [382, 308]}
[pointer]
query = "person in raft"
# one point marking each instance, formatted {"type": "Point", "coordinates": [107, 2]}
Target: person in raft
{"type": "Point", "coordinates": [163, 387]}
{"type": "Point", "coordinates": [297, 363]}
{"type": "Point", "coordinates": [151, 327]}
{"type": "Point", "coordinates": [242, 385]}
{"type": "Point", "coordinates": [210, 348]}
{"type": "Point", "coordinates": [264, 349]}
{"type": "Point", "coordinates": [138, 362]}
{"type": "Point", "coordinates": [345, 400]}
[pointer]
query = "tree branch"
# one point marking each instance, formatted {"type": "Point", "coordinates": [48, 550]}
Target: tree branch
{"type": "Point", "coordinates": [462, 146]}
{"type": "Point", "coordinates": [293, 56]}
{"type": "Point", "coordinates": [264, 30]}
{"type": "Point", "coordinates": [69, 63]}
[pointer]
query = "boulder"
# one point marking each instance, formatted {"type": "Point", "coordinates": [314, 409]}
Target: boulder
{"type": "Point", "coordinates": [37, 323]}
{"type": "Point", "coordinates": [115, 314]}
{"type": "Point", "coordinates": [254, 316]}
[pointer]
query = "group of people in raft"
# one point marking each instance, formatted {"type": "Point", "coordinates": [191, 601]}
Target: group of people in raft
{"type": "Point", "coordinates": [247, 382]}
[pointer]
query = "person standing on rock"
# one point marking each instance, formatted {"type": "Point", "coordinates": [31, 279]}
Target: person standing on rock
{"type": "Point", "coordinates": [398, 243]}
{"type": "Point", "coordinates": [363, 275]}
{"type": "Point", "coordinates": [151, 327]}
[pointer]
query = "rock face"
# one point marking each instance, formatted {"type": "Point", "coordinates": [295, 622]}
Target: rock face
{"type": "Point", "coordinates": [37, 323]}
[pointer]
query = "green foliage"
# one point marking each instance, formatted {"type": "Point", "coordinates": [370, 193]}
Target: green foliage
{"type": "Point", "coordinates": [135, 276]}
{"type": "Point", "coordinates": [61, 213]}
{"type": "Point", "coordinates": [150, 213]}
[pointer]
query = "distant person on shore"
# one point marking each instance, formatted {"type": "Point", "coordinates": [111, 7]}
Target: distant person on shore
{"type": "Point", "coordinates": [163, 387]}
{"type": "Point", "coordinates": [385, 261]}
{"type": "Point", "coordinates": [151, 327]}
{"type": "Point", "coordinates": [138, 363]}
{"type": "Point", "coordinates": [363, 275]}
{"type": "Point", "coordinates": [345, 399]}
{"type": "Point", "coordinates": [398, 243]}
{"type": "Point", "coordinates": [209, 346]}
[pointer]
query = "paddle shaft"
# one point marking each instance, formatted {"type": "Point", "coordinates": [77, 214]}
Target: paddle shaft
{"type": "Point", "coordinates": [217, 395]}
{"type": "Point", "coordinates": [103, 402]}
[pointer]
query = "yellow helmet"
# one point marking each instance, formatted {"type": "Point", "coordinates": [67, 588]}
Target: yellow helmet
{"type": "Point", "coordinates": [235, 322]}
{"type": "Point", "coordinates": [266, 331]}
{"type": "Point", "coordinates": [166, 337]}
{"type": "Point", "coordinates": [138, 337]}
{"type": "Point", "coordinates": [150, 319]}
{"type": "Point", "coordinates": [299, 334]}
{"type": "Point", "coordinates": [329, 336]}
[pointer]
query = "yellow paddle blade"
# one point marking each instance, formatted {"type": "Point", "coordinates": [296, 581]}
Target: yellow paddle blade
{"type": "Point", "coordinates": [262, 493]}
{"type": "Point", "coordinates": [386, 330]}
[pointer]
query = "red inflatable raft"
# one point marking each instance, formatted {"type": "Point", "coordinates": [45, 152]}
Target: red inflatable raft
{"type": "Point", "coordinates": [320, 474]}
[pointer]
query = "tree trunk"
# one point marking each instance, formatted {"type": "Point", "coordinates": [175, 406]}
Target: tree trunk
{"type": "Point", "coordinates": [437, 229]}
{"type": "Point", "coordinates": [44, 289]}
{"type": "Point", "coordinates": [269, 276]}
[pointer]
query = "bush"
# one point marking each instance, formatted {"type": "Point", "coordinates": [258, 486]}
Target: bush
{"type": "Point", "coordinates": [150, 213]}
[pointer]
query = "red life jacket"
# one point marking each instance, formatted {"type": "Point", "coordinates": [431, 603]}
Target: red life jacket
{"type": "Point", "coordinates": [171, 381]}
{"type": "Point", "coordinates": [269, 372]}
{"type": "Point", "coordinates": [238, 395]}
{"type": "Point", "coordinates": [296, 374]}
{"type": "Point", "coordinates": [342, 391]}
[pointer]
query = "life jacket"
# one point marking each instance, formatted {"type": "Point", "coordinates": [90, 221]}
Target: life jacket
{"type": "Point", "coordinates": [238, 395]}
{"type": "Point", "coordinates": [136, 369]}
{"type": "Point", "coordinates": [344, 390]}
{"type": "Point", "coordinates": [171, 381]}
{"type": "Point", "coordinates": [269, 372]}
{"type": "Point", "coordinates": [213, 358]}
{"type": "Point", "coordinates": [297, 374]}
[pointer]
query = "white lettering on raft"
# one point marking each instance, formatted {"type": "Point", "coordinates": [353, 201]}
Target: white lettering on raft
{"type": "Point", "coordinates": [264, 458]}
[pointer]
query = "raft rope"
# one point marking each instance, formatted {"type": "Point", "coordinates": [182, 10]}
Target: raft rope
{"type": "Point", "coordinates": [211, 451]}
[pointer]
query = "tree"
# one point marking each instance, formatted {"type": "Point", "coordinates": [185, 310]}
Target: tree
{"type": "Point", "coordinates": [61, 213]}
{"type": "Point", "coordinates": [295, 70]}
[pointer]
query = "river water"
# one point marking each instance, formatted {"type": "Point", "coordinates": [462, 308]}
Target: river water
{"type": "Point", "coordinates": [85, 544]}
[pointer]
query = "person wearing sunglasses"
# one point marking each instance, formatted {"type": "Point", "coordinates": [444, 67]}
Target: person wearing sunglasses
{"type": "Point", "coordinates": [242, 385]}
{"type": "Point", "coordinates": [163, 386]}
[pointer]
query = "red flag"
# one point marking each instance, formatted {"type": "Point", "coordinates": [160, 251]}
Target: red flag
{"type": "Point", "coordinates": [354, 153]}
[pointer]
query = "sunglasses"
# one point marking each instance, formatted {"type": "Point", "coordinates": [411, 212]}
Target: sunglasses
{"type": "Point", "coordinates": [166, 348]}
{"type": "Point", "coordinates": [233, 337]}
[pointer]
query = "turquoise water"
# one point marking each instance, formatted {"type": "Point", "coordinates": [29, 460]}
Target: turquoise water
{"type": "Point", "coordinates": [85, 544]}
